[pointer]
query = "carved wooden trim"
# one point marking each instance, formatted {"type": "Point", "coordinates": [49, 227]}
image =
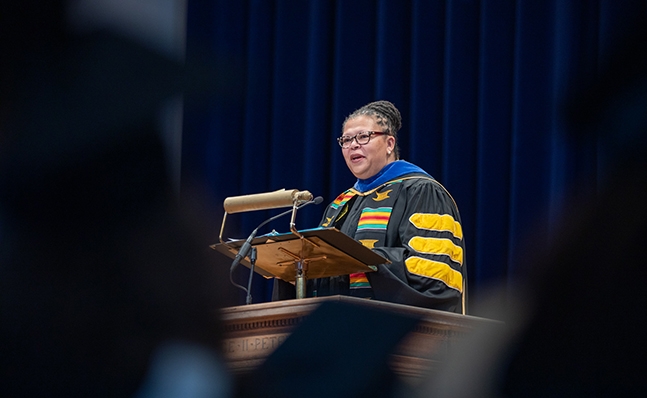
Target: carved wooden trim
{"type": "Point", "coordinates": [264, 324]}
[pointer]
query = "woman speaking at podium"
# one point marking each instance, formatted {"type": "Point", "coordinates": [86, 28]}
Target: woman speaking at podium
{"type": "Point", "coordinates": [402, 213]}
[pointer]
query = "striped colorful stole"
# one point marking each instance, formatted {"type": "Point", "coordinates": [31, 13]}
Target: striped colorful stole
{"type": "Point", "coordinates": [371, 229]}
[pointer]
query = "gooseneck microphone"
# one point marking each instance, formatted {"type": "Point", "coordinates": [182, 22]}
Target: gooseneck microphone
{"type": "Point", "coordinates": [245, 248]}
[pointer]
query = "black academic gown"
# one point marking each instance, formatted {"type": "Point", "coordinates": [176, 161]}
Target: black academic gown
{"type": "Point", "coordinates": [422, 239]}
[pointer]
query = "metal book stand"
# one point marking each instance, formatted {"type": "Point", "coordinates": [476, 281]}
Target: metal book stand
{"type": "Point", "coordinates": [300, 255]}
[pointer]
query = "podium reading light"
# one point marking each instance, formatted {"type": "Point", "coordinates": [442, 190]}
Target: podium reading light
{"type": "Point", "coordinates": [264, 201]}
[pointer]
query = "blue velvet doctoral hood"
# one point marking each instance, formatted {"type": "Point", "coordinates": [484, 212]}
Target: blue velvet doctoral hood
{"type": "Point", "coordinates": [391, 171]}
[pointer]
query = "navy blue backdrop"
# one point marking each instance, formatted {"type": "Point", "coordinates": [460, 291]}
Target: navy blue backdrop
{"type": "Point", "coordinates": [480, 85]}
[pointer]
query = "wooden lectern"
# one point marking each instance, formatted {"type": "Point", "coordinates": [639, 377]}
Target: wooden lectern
{"type": "Point", "coordinates": [254, 331]}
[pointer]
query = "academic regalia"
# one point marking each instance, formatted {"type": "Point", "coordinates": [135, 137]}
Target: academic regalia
{"type": "Point", "coordinates": [408, 217]}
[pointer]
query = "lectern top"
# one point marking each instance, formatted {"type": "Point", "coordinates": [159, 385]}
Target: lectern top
{"type": "Point", "coordinates": [324, 252]}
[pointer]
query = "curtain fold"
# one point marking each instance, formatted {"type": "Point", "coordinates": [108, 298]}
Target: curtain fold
{"type": "Point", "coordinates": [493, 141]}
{"type": "Point", "coordinates": [480, 85]}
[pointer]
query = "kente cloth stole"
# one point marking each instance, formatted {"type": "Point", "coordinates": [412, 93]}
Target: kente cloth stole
{"type": "Point", "coordinates": [371, 228]}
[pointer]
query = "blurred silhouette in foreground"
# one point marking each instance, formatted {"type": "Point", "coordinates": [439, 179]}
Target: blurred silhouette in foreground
{"type": "Point", "coordinates": [104, 290]}
{"type": "Point", "coordinates": [578, 325]}
{"type": "Point", "coordinates": [334, 352]}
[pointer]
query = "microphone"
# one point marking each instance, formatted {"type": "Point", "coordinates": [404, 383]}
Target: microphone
{"type": "Point", "coordinates": [244, 249]}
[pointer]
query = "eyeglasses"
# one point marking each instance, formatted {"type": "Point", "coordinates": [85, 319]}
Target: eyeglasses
{"type": "Point", "coordinates": [362, 138]}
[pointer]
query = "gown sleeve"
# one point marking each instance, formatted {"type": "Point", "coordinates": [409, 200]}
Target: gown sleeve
{"type": "Point", "coordinates": [426, 248]}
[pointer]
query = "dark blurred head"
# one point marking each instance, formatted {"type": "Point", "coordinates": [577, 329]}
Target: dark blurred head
{"type": "Point", "coordinates": [587, 289]}
{"type": "Point", "coordinates": [99, 263]}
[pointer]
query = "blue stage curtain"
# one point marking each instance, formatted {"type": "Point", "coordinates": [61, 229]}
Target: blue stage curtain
{"type": "Point", "coordinates": [480, 85]}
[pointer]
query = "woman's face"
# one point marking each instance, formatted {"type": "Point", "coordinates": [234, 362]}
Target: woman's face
{"type": "Point", "coordinates": [364, 161]}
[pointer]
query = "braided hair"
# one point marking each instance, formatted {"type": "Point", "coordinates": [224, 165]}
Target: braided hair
{"type": "Point", "coordinates": [386, 115]}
